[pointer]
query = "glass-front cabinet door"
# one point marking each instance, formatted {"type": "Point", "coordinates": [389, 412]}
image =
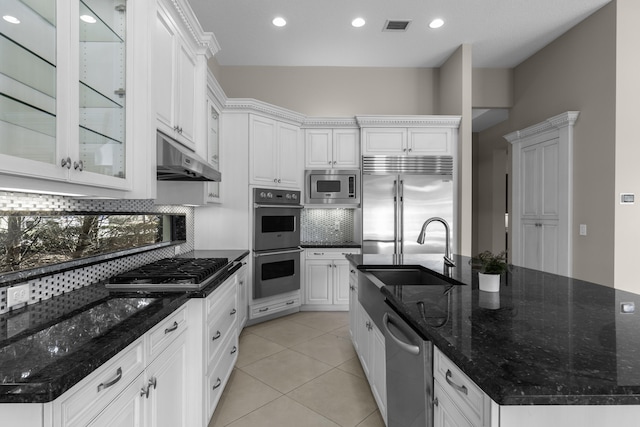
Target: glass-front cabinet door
{"type": "Point", "coordinates": [62, 91]}
{"type": "Point", "coordinates": [102, 87]}
{"type": "Point", "coordinates": [28, 90]}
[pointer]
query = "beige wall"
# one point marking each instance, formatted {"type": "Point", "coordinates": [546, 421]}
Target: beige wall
{"type": "Point", "coordinates": [336, 91]}
{"type": "Point", "coordinates": [492, 87]}
{"type": "Point", "coordinates": [575, 72]}
{"type": "Point", "coordinates": [627, 154]}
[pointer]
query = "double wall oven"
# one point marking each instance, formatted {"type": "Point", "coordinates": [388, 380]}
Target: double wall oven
{"type": "Point", "coordinates": [276, 241]}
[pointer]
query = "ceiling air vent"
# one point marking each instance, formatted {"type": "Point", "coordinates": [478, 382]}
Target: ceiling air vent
{"type": "Point", "coordinates": [396, 25]}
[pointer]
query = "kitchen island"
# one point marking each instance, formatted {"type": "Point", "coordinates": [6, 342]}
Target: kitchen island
{"type": "Point", "coordinates": [544, 342]}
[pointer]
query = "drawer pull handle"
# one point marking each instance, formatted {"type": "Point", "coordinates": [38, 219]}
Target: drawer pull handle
{"type": "Point", "coordinates": [109, 383]}
{"type": "Point", "coordinates": [172, 328]}
{"type": "Point", "coordinates": [216, 336]}
{"type": "Point", "coordinates": [153, 381]}
{"type": "Point", "coordinates": [217, 384]}
{"type": "Point", "coordinates": [233, 311]}
{"type": "Point", "coordinates": [352, 271]}
{"type": "Point", "coordinates": [262, 310]}
{"type": "Point", "coordinates": [460, 388]}
{"type": "Point", "coordinates": [234, 349]}
{"type": "Point", "coordinates": [290, 302]}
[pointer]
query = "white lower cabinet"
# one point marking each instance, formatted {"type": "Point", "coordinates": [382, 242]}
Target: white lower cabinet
{"type": "Point", "coordinates": [353, 305]}
{"type": "Point", "coordinates": [458, 400]}
{"type": "Point", "coordinates": [369, 344]}
{"type": "Point", "coordinates": [243, 296]}
{"type": "Point", "coordinates": [143, 385]}
{"type": "Point", "coordinates": [326, 285]}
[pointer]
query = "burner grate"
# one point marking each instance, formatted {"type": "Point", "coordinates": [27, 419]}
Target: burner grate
{"type": "Point", "coordinates": [173, 270]}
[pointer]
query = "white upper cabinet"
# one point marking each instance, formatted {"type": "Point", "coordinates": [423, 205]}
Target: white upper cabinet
{"type": "Point", "coordinates": [66, 116]}
{"type": "Point", "coordinates": [410, 135]}
{"type": "Point", "coordinates": [180, 79]}
{"type": "Point", "coordinates": [275, 153]}
{"type": "Point", "coordinates": [332, 148]}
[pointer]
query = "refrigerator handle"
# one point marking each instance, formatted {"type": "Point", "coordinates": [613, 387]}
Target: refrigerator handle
{"type": "Point", "coordinates": [400, 231]}
{"type": "Point", "coordinates": [395, 216]}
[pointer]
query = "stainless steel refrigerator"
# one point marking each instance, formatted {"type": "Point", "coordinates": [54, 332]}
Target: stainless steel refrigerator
{"type": "Point", "coordinates": [399, 193]}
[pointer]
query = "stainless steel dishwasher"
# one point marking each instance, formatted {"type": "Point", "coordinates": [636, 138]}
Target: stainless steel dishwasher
{"type": "Point", "coordinates": [409, 374]}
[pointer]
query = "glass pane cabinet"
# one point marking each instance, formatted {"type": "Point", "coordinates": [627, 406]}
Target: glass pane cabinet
{"type": "Point", "coordinates": [102, 87]}
{"type": "Point", "coordinates": [62, 91]}
{"type": "Point", "coordinates": [28, 79]}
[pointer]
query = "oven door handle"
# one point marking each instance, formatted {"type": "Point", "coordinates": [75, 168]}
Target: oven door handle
{"type": "Point", "coordinates": [257, 206]}
{"type": "Point", "coordinates": [288, 251]}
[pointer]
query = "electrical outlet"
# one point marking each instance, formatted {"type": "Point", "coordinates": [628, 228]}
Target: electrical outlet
{"type": "Point", "coordinates": [17, 295]}
{"type": "Point", "coordinates": [176, 250]}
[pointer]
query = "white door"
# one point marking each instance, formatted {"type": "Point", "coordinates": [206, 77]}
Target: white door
{"type": "Point", "coordinates": [125, 411]}
{"type": "Point", "coordinates": [389, 141]}
{"type": "Point", "coordinates": [164, 71]}
{"type": "Point", "coordinates": [318, 281]}
{"type": "Point", "coordinates": [187, 78]}
{"type": "Point", "coordinates": [318, 148]}
{"type": "Point", "coordinates": [289, 161]}
{"type": "Point", "coordinates": [263, 151]}
{"type": "Point", "coordinates": [429, 142]}
{"type": "Point", "coordinates": [340, 281]}
{"type": "Point", "coordinates": [346, 149]}
{"type": "Point", "coordinates": [167, 380]}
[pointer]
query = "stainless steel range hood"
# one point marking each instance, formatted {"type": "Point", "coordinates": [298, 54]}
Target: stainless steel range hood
{"type": "Point", "coordinates": [177, 163]}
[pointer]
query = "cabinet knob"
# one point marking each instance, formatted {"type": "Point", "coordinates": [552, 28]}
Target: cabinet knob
{"type": "Point", "coordinates": [66, 162]}
{"type": "Point", "coordinates": [409, 150]}
{"type": "Point", "coordinates": [435, 402]}
{"type": "Point", "coordinates": [334, 162]}
{"type": "Point", "coordinates": [79, 165]}
{"type": "Point", "coordinates": [216, 336]}
{"type": "Point", "coordinates": [279, 180]}
{"type": "Point", "coordinates": [217, 384]}
{"type": "Point", "coordinates": [329, 162]}
{"type": "Point", "coordinates": [232, 312]}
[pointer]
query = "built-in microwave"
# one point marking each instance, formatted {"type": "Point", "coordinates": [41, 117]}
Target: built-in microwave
{"type": "Point", "coordinates": [332, 186]}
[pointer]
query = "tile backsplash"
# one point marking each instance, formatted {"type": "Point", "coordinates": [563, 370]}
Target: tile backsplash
{"type": "Point", "coordinates": [43, 288]}
{"type": "Point", "coordinates": [327, 225]}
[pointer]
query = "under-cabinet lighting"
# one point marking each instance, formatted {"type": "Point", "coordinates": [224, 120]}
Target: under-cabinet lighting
{"type": "Point", "coordinates": [88, 19]}
{"type": "Point", "coordinates": [11, 19]}
{"type": "Point", "coordinates": [279, 21]}
{"type": "Point", "coordinates": [358, 22]}
{"type": "Point", "coordinates": [436, 23]}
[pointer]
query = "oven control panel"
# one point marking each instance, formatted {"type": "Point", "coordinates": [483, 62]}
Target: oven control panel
{"type": "Point", "coordinates": [271, 196]}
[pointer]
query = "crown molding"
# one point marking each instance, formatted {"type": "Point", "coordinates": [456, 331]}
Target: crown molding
{"type": "Point", "coordinates": [408, 121]}
{"type": "Point", "coordinates": [249, 105]}
{"type": "Point", "coordinates": [556, 122]}
{"type": "Point", "coordinates": [203, 40]}
{"type": "Point", "coordinates": [330, 122]}
{"type": "Point", "coordinates": [219, 97]}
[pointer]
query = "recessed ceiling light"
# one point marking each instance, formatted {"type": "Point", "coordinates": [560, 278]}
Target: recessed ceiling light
{"type": "Point", "coordinates": [11, 19]}
{"type": "Point", "coordinates": [436, 23]}
{"type": "Point", "coordinates": [358, 22]}
{"type": "Point", "coordinates": [279, 21]}
{"type": "Point", "coordinates": [88, 19]}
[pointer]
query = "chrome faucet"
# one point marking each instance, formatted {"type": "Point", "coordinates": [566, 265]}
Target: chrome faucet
{"type": "Point", "coordinates": [447, 255]}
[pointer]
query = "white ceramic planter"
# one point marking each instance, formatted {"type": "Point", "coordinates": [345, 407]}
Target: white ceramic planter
{"type": "Point", "coordinates": [489, 282]}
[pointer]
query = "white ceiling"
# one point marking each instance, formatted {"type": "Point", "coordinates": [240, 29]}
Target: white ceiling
{"type": "Point", "coordinates": [503, 33]}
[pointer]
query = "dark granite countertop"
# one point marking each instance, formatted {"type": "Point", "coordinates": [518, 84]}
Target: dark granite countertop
{"type": "Point", "coordinates": [47, 347]}
{"type": "Point", "coordinates": [330, 245]}
{"type": "Point", "coordinates": [543, 339]}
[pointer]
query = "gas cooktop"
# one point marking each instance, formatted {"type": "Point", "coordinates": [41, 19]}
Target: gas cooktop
{"type": "Point", "coordinates": [171, 275]}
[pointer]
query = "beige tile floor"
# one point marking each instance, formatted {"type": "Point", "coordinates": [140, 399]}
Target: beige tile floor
{"type": "Point", "coordinates": [299, 371]}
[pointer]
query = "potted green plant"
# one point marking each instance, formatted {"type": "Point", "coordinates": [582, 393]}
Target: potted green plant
{"type": "Point", "coordinates": [491, 267]}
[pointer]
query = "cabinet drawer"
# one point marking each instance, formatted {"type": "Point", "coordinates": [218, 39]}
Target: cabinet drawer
{"type": "Point", "coordinates": [85, 400]}
{"type": "Point", "coordinates": [464, 392]}
{"type": "Point", "coordinates": [165, 332]}
{"type": "Point", "coordinates": [274, 307]}
{"type": "Point", "coordinates": [219, 328]}
{"type": "Point", "coordinates": [222, 297]}
{"type": "Point", "coordinates": [329, 253]}
{"type": "Point", "coordinates": [219, 375]}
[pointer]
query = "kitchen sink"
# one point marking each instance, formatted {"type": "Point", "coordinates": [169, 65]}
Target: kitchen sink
{"type": "Point", "coordinates": [407, 277]}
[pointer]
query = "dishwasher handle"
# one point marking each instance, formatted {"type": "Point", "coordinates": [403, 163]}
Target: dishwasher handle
{"type": "Point", "coordinates": [409, 348]}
